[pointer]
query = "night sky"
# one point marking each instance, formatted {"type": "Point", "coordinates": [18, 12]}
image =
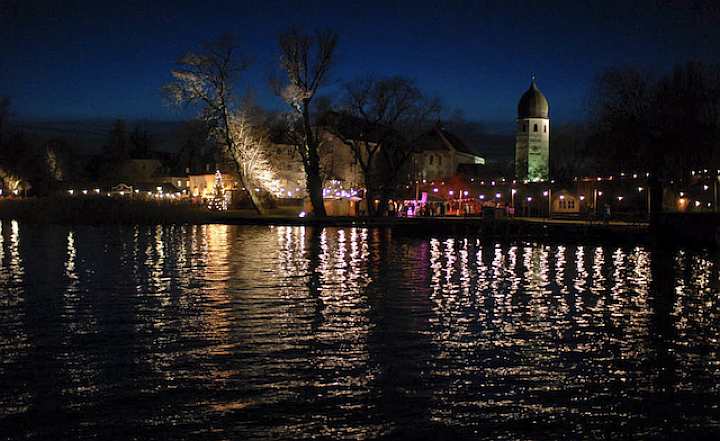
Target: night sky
{"type": "Point", "coordinates": [80, 59]}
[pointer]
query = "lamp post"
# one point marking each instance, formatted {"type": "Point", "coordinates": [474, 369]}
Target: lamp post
{"type": "Point", "coordinates": [640, 190]}
{"type": "Point", "coordinates": [595, 202]}
{"type": "Point", "coordinates": [549, 203]}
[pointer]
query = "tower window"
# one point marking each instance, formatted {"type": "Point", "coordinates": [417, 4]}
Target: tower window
{"type": "Point", "coordinates": [534, 127]}
{"type": "Point", "coordinates": [439, 160]}
{"type": "Point", "coordinates": [431, 159]}
{"type": "Point", "coordinates": [545, 129]}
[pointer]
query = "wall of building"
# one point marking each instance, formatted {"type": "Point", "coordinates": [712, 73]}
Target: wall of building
{"type": "Point", "coordinates": [435, 164]}
{"type": "Point", "coordinates": [532, 149]}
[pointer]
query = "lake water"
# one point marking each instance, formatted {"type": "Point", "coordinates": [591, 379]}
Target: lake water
{"type": "Point", "coordinates": [234, 332]}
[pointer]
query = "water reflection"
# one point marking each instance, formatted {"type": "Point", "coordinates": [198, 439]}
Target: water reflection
{"type": "Point", "coordinates": [228, 332]}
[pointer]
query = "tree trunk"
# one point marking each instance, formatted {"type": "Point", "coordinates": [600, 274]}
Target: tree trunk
{"type": "Point", "coordinates": [312, 166]}
{"type": "Point", "coordinates": [370, 197]}
{"type": "Point", "coordinates": [253, 196]}
{"type": "Point", "coordinates": [315, 191]}
{"type": "Point", "coordinates": [656, 198]}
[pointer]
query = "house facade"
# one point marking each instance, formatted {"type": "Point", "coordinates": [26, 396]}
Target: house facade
{"type": "Point", "coordinates": [439, 154]}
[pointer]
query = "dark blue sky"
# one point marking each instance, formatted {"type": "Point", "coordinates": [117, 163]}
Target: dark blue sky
{"type": "Point", "coordinates": [77, 59]}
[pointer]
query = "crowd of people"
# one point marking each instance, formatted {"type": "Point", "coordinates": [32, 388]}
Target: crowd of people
{"type": "Point", "coordinates": [458, 207]}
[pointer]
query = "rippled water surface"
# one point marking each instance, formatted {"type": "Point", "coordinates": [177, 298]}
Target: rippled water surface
{"type": "Point", "coordinates": [231, 332]}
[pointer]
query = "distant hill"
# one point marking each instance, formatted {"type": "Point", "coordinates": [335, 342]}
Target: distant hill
{"type": "Point", "coordinates": [493, 141]}
{"type": "Point", "coordinates": [90, 135]}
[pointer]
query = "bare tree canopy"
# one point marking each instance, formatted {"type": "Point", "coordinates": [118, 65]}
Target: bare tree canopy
{"type": "Point", "coordinates": [666, 126]}
{"type": "Point", "coordinates": [306, 61]}
{"type": "Point", "coordinates": [378, 119]}
{"type": "Point", "coordinates": [207, 79]}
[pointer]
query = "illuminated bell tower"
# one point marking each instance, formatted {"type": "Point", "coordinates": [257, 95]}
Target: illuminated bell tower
{"type": "Point", "coordinates": [532, 142]}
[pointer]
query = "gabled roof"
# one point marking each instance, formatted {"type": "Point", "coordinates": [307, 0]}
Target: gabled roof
{"type": "Point", "coordinates": [438, 138]}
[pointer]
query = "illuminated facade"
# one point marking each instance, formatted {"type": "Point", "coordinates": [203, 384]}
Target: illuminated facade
{"type": "Point", "coordinates": [532, 142]}
{"type": "Point", "coordinates": [439, 153]}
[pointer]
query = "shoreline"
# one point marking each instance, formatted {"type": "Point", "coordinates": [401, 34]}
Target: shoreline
{"type": "Point", "coordinates": [672, 229]}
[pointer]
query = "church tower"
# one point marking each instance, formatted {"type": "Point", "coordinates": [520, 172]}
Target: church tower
{"type": "Point", "coordinates": [532, 142]}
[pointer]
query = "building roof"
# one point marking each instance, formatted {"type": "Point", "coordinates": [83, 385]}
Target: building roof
{"type": "Point", "coordinates": [438, 138]}
{"type": "Point", "coordinates": [533, 103]}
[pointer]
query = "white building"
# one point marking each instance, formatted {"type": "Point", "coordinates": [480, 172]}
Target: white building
{"type": "Point", "coordinates": [439, 153]}
{"type": "Point", "coordinates": [532, 145]}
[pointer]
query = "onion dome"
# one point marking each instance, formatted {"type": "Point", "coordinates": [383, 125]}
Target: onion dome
{"type": "Point", "coordinates": [533, 103]}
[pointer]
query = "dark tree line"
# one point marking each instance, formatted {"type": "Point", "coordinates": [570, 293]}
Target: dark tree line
{"type": "Point", "coordinates": [667, 125]}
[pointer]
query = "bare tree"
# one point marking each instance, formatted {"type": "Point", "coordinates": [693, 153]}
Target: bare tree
{"type": "Point", "coordinates": [142, 142]}
{"type": "Point", "coordinates": [378, 119]}
{"type": "Point", "coordinates": [252, 141]}
{"type": "Point", "coordinates": [207, 78]}
{"type": "Point", "coordinates": [118, 147]}
{"type": "Point", "coordinates": [667, 126]}
{"type": "Point", "coordinates": [306, 60]}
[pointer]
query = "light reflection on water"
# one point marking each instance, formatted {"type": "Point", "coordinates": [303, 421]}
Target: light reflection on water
{"type": "Point", "coordinates": [227, 332]}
